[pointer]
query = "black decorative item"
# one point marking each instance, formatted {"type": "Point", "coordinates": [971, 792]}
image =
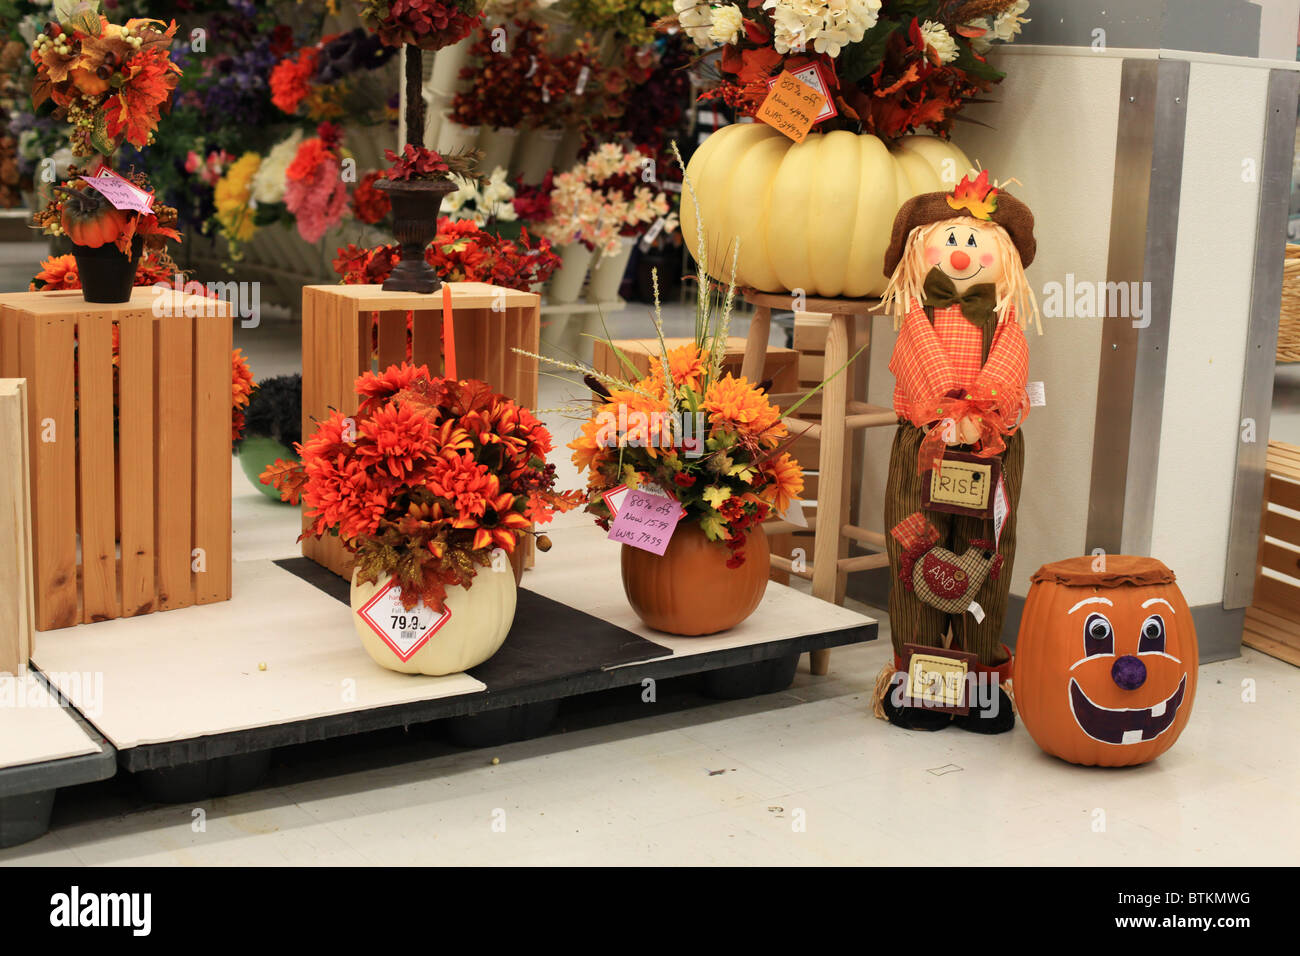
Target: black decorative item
{"type": "Point", "coordinates": [107, 275]}
{"type": "Point", "coordinates": [416, 203]}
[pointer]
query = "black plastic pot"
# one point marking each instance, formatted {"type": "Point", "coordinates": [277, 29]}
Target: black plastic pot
{"type": "Point", "coordinates": [106, 275]}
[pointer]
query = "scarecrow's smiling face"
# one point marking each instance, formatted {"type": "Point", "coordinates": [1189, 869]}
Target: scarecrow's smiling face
{"type": "Point", "coordinates": [966, 252]}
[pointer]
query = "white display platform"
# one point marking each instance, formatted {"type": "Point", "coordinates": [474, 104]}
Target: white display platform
{"type": "Point", "coordinates": [34, 728]}
{"type": "Point", "coordinates": [594, 584]}
{"type": "Point", "coordinates": [195, 671]}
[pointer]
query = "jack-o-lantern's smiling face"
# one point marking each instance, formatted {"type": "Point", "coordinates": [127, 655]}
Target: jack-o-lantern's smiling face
{"type": "Point", "coordinates": [967, 253]}
{"type": "Point", "coordinates": [1106, 660]}
{"type": "Point", "coordinates": [1128, 685]}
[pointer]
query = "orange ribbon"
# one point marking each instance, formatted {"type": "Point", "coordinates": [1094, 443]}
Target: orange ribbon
{"type": "Point", "coordinates": [448, 335]}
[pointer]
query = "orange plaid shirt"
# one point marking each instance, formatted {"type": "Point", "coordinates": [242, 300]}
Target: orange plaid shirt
{"type": "Point", "coordinates": [941, 361]}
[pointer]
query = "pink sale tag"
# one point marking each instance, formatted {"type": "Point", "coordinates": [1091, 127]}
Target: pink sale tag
{"type": "Point", "coordinates": [646, 521]}
{"type": "Point", "coordinates": [120, 192]}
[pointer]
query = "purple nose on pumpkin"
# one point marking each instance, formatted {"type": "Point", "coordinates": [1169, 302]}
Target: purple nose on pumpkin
{"type": "Point", "coordinates": [1128, 672]}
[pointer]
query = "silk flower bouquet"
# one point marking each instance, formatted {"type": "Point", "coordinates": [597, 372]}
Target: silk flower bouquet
{"type": "Point", "coordinates": [429, 482]}
{"type": "Point", "coordinates": [714, 444]}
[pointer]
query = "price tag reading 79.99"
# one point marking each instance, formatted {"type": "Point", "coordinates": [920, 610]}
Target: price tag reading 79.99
{"type": "Point", "coordinates": [646, 521]}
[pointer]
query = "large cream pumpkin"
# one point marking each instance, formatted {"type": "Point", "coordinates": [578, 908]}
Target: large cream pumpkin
{"type": "Point", "coordinates": [814, 215]}
{"type": "Point", "coordinates": [481, 616]}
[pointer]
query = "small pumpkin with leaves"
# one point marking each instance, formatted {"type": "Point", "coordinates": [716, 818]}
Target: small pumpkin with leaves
{"type": "Point", "coordinates": [90, 220]}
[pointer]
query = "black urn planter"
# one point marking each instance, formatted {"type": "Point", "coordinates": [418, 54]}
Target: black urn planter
{"type": "Point", "coordinates": [416, 203]}
{"type": "Point", "coordinates": [107, 276]}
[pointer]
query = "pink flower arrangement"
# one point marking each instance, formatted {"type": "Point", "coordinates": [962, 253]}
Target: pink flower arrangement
{"type": "Point", "coordinates": [314, 190]}
{"type": "Point", "coordinates": [606, 196]}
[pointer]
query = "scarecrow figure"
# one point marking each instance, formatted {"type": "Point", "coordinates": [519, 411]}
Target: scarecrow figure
{"type": "Point", "coordinates": [960, 302]}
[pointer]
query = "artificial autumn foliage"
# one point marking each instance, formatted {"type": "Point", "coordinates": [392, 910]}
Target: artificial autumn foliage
{"type": "Point", "coordinates": [109, 81]}
{"type": "Point", "coordinates": [461, 252]}
{"type": "Point", "coordinates": [425, 481]}
{"type": "Point", "coordinates": [891, 67]}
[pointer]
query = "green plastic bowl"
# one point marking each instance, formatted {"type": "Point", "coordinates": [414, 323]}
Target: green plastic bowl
{"type": "Point", "coordinates": [256, 453]}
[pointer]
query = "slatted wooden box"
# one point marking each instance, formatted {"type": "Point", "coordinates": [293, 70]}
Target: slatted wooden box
{"type": "Point", "coordinates": [17, 591]}
{"type": "Point", "coordinates": [342, 323]}
{"type": "Point", "coordinates": [120, 503]}
{"type": "Point", "coordinates": [1273, 620]}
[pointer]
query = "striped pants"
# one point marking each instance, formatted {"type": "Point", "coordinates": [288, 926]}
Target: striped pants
{"type": "Point", "coordinates": [911, 620]}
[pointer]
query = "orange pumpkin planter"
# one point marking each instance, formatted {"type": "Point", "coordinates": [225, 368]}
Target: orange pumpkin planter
{"type": "Point", "coordinates": [690, 590]}
{"type": "Point", "coordinates": [1105, 661]}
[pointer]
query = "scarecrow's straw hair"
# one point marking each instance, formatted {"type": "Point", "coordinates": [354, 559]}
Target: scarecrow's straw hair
{"type": "Point", "coordinates": [1013, 289]}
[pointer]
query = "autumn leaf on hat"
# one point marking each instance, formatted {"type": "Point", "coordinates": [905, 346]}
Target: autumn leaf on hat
{"type": "Point", "coordinates": [976, 196]}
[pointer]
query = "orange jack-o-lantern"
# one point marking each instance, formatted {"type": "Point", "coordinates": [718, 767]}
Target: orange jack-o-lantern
{"type": "Point", "coordinates": [1106, 660]}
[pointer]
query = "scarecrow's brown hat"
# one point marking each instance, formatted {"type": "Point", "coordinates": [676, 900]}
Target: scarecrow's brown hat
{"type": "Point", "coordinates": [974, 198]}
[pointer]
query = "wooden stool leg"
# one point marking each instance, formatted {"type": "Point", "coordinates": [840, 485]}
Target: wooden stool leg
{"type": "Point", "coordinates": [831, 489]}
{"type": "Point", "coordinates": [760, 327]}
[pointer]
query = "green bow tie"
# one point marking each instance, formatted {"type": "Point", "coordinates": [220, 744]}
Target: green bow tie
{"type": "Point", "coordinates": [977, 303]}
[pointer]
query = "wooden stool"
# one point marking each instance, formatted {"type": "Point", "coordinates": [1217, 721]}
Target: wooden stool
{"type": "Point", "coordinates": [839, 414]}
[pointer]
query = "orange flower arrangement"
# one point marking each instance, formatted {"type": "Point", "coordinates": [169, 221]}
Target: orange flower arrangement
{"type": "Point", "coordinates": [728, 469]}
{"type": "Point", "coordinates": [425, 481]}
{"type": "Point", "coordinates": [110, 82]}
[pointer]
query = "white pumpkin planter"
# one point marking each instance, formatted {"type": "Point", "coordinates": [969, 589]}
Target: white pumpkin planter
{"type": "Point", "coordinates": [481, 616]}
{"type": "Point", "coordinates": [815, 215]}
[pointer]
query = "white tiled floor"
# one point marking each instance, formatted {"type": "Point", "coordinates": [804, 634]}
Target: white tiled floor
{"type": "Point", "coordinates": [805, 776]}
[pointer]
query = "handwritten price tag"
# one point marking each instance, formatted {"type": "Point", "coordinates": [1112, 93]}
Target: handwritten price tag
{"type": "Point", "coordinates": [122, 193]}
{"type": "Point", "coordinates": [646, 521]}
{"type": "Point", "coordinates": [812, 75]}
{"type": "Point", "coordinates": [792, 107]}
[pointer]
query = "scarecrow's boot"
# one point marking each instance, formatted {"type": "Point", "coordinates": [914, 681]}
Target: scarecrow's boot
{"type": "Point", "coordinates": [991, 709]}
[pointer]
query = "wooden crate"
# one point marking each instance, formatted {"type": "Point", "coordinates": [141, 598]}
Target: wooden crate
{"type": "Point", "coordinates": [1273, 620]}
{"type": "Point", "coordinates": [121, 503]}
{"type": "Point", "coordinates": [340, 324]}
{"type": "Point", "coordinates": [17, 614]}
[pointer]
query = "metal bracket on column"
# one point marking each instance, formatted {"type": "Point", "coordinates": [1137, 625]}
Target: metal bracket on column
{"type": "Point", "coordinates": [1261, 337]}
{"type": "Point", "coordinates": [1143, 240]}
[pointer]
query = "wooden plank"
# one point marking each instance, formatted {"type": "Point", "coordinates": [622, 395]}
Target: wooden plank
{"type": "Point", "coordinates": [1283, 527]}
{"type": "Point", "coordinates": [516, 322]}
{"type": "Point", "coordinates": [311, 376]}
{"type": "Point", "coordinates": [210, 534]}
{"type": "Point", "coordinates": [532, 336]}
{"type": "Point", "coordinates": [136, 476]}
{"type": "Point", "coordinates": [426, 340]}
{"type": "Point", "coordinates": [1273, 648]}
{"type": "Point", "coordinates": [1281, 492]}
{"type": "Point", "coordinates": [174, 465]}
{"type": "Point", "coordinates": [96, 452]}
{"type": "Point", "coordinates": [1279, 594]}
{"type": "Point", "coordinates": [9, 354]}
{"type": "Point", "coordinates": [1280, 559]}
{"type": "Point", "coordinates": [348, 355]}
{"type": "Point", "coordinates": [811, 365]}
{"type": "Point", "coordinates": [1271, 617]}
{"type": "Point", "coordinates": [494, 334]}
{"type": "Point", "coordinates": [392, 339]}
{"type": "Point", "coordinates": [830, 546]}
{"type": "Point", "coordinates": [48, 358]}
{"type": "Point", "coordinates": [17, 592]}
{"type": "Point", "coordinates": [471, 342]}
